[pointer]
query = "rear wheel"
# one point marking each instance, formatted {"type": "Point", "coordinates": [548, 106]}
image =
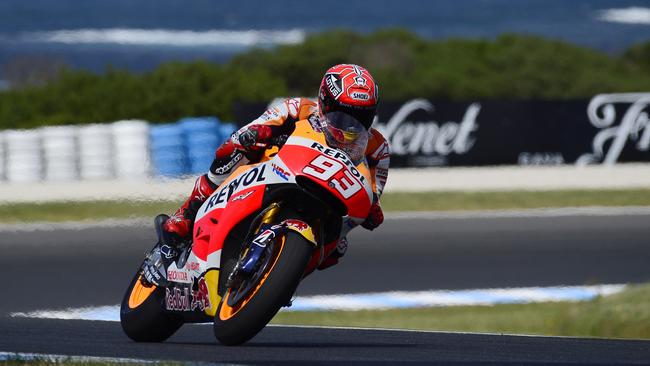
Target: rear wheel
{"type": "Point", "coordinates": [142, 316]}
{"type": "Point", "coordinates": [235, 324]}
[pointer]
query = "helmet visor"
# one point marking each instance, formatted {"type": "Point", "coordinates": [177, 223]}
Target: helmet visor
{"type": "Point", "coordinates": [346, 133]}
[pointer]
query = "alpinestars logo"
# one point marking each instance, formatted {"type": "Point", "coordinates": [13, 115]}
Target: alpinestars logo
{"type": "Point", "coordinates": [332, 82]}
{"type": "Point", "coordinates": [228, 167]}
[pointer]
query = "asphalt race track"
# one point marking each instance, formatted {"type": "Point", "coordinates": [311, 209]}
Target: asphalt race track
{"type": "Point", "coordinates": [56, 269]}
{"type": "Point", "coordinates": [299, 346]}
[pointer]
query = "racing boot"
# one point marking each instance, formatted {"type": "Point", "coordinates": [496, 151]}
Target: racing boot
{"type": "Point", "coordinates": [336, 254]}
{"type": "Point", "coordinates": [179, 225]}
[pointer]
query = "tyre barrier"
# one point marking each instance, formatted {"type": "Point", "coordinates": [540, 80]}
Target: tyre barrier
{"type": "Point", "coordinates": [2, 156]}
{"type": "Point", "coordinates": [131, 141]}
{"type": "Point", "coordinates": [23, 156]}
{"type": "Point", "coordinates": [226, 130]}
{"type": "Point", "coordinates": [59, 153]}
{"type": "Point", "coordinates": [95, 152]}
{"type": "Point", "coordinates": [168, 152]}
{"type": "Point", "coordinates": [128, 149]}
{"type": "Point", "coordinates": [202, 137]}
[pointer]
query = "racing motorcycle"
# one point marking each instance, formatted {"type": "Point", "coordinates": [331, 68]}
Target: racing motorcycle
{"type": "Point", "coordinates": [263, 230]}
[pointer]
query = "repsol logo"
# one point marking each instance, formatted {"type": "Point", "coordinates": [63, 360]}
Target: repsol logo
{"type": "Point", "coordinates": [338, 155]}
{"type": "Point", "coordinates": [255, 175]}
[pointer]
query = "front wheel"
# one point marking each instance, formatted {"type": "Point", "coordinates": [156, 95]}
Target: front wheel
{"type": "Point", "coordinates": [142, 316]}
{"type": "Point", "coordinates": [236, 324]}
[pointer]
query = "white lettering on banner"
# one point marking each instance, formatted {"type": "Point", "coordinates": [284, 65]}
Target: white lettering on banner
{"type": "Point", "coordinates": [429, 137]}
{"type": "Point", "coordinates": [634, 125]}
{"type": "Point", "coordinates": [543, 158]}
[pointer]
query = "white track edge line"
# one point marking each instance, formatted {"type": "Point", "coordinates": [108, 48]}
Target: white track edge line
{"type": "Point", "coordinates": [25, 356]}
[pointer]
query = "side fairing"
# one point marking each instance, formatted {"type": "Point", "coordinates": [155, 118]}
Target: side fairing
{"type": "Point", "coordinates": [237, 198]}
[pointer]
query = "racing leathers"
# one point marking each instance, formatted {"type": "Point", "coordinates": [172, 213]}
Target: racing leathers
{"type": "Point", "coordinates": [246, 146]}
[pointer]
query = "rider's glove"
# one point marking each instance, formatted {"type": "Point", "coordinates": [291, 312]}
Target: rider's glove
{"type": "Point", "coordinates": [253, 135]}
{"type": "Point", "coordinates": [375, 217]}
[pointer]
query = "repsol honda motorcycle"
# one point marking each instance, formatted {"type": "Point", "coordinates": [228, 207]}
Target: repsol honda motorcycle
{"type": "Point", "coordinates": [254, 239]}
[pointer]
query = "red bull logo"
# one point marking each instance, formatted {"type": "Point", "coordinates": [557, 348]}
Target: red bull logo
{"type": "Point", "coordinates": [201, 297]}
{"type": "Point", "coordinates": [297, 224]}
{"type": "Point", "coordinates": [178, 299]}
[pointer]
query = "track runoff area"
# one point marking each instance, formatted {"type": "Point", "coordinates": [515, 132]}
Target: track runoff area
{"type": "Point", "coordinates": [442, 259]}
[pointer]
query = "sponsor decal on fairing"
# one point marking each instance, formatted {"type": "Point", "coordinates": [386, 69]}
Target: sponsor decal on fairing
{"type": "Point", "coordinates": [281, 172]}
{"type": "Point", "coordinates": [253, 177]}
{"type": "Point", "coordinates": [331, 161]}
{"type": "Point", "coordinates": [177, 299]}
{"type": "Point", "coordinates": [178, 276]}
{"type": "Point", "coordinates": [297, 224]}
{"type": "Point", "coordinates": [242, 196]}
{"type": "Point", "coordinates": [188, 299]}
{"type": "Point", "coordinates": [300, 227]}
{"type": "Point", "coordinates": [250, 178]}
{"type": "Point", "coordinates": [168, 252]}
{"type": "Point", "coordinates": [193, 266]}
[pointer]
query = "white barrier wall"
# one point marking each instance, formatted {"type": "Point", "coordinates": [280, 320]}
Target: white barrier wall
{"type": "Point", "coordinates": [23, 156]}
{"type": "Point", "coordinates": [131, 141]}
{"type": "Point", "coordinates": [2, 156]}
{"type": "Point", "coordinates": [95, 152]}
{"type": "Point", "coordinates": [59, 153]}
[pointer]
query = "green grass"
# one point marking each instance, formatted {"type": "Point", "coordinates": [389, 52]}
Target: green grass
{"type": "Point", "coordinates": [79, 211]}
{"type": "Point", "coordinates": [422, 201]}
{"type": "Point", "coordinates": [445, 201]}
{"type": "Point", "coordinates": [622, 315]}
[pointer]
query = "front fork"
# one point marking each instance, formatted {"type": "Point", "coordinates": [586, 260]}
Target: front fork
{"type": "Point", "coordinates": [260, 242]}
{"type": "Point", "coordinates": [255, 247]}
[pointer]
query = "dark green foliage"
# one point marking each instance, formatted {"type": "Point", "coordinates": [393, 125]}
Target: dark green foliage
{"type": "Point", "coordinates": [639, 56]}
{"type": "Point", "coordinates": [509, 67]}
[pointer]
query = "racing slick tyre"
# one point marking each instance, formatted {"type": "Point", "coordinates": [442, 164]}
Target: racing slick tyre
{"type": "Point", "coordinates": [142, 316]}
{"type": "Point", "coordinates": [234, 325]}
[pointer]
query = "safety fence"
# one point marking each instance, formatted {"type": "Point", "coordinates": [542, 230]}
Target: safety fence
{"type": "Point", "coordinates": [128, 149]}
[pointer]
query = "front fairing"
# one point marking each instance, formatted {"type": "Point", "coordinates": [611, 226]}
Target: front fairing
{"type": "Point", "coordinates": [307, 155]}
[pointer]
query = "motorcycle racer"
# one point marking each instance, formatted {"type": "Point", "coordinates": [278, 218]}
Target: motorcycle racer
{"type": "Point", "coordinates": [345, 90]}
